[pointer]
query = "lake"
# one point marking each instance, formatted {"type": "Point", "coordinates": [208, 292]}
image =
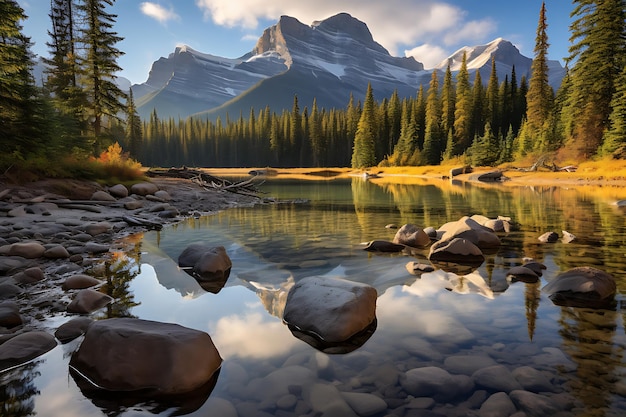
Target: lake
{"type": "Point", "coordinates": [473, 334]}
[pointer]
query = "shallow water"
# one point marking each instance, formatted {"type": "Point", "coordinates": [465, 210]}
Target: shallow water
{"type": "Point", "coordinates": [457, 323]}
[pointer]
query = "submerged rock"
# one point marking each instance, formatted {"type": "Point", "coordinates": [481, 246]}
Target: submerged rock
{"type": "Point", "coordinates": [128, 354]}
{"type": "Point", "coordinates": [383, 246]}
{"type": "Point", "coordinates": [209, 265]}
{"type": "Point", "coordinates": [334, 309]}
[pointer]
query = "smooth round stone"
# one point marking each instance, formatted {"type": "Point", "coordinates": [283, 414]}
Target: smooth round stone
{"type": "Point", "coordinates": [102, 196]}
{"type": "Point", "coordinates": [497, 405]}
{"type": "Point", "coordinates": [496, 378]}
{"type": "Point", "coordinates": [534, 404]}
{"type": "Point", "coordinates": [467, 364]}
{"type": "Point", "coordinates": [24, 347]}
{"type": "Point", "coordinates": [421, 403]}
{"type": "Point", "coordinates": [79, 282]}
{"type": "Point", "coordinates": [364, 404]}
{"type": "Point", "coordinates": [287, 402]}
{"type": "Point", "coordinates": [28, 250]}
{"type": "Point", "coordinates": [10, 315]}
{"type": "Point", "coordinates": [56, 252]}
{"type": "Point", "coordinates": [532, 379]}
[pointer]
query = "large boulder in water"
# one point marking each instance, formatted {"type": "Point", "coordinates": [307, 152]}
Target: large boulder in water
{"type": "Point", "coordinates": [469, 229]}
{"type": "Point", "coordinates": [24, 347]}
{"type": "Point", "coordinates": [333, 309]}
{"type": "Point", "coordinates": [582, 286]}
{"type": "Point", "coordinates": [209, 265]}
{"type": "Point", "coordinates": [127, 354]}
{"type": "Point", "coordinates": [411, 235]}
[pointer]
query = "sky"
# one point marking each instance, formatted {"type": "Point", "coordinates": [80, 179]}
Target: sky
{"type": "Point", "coordinates": [428, 30]}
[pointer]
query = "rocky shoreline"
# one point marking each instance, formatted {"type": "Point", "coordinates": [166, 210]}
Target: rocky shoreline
{"type": "Point", "coordinates": [55, 237]}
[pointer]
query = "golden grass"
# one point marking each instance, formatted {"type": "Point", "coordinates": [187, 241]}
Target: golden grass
{"type": "Point", "coordinates": [605, 177]}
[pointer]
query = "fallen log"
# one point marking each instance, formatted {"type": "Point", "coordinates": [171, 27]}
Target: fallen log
{"type": "Point", "coordinates": [247, 187]}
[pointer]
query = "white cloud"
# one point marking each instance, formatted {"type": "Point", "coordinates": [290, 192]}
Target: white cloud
{"type": "Point", "coordinates": [395, 24]}
{"type": "Point", "coordinates": [429, 55]}
{"type": "Point", "coordinates": [158, 12]}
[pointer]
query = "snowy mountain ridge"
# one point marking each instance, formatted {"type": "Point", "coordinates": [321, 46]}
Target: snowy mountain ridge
{"type": "Point", "coordinates": [327, 61]}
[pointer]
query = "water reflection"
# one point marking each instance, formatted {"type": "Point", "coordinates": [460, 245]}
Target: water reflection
{"type": "Point", "coordinates": [421, 321]}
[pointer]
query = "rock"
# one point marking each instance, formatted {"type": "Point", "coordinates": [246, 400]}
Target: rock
{"type": "Point", "coordinates": [102, 196]}
{"type": "Point", "coordinates": [469, 229]}
{"type": "Point", "coordinates": [19, 211]}
{"type": "Point", "coordinates": [522, 273]}
{"type": "Point", "coordinates": [29, 276]}
{"type": "Point", "coordinates": [532, 379]}
{"type": "Point", "coordinates": [417, 269]}
{"type": "Point", "coordinates": [455, 250]}
{"type": "Point", "coordinates": [28, 250]}
{"type": "Point", "coordinates": [127, 354]}
{"type": "Point", "coordinates": [119, 191]}
{"type": "Point", "coordinates": [133, 204]}
{"type": "Point", "coordinates": [383, 246]}
{"type": "Point", "coordinates": [144, 188]}
{"type": "Point", "coordinates": [11, 264]}
{"type": "Point", "coordinates": [56, 252]}
{"type": "Point", "coordinates": [87, 301]}
{"type": "Point", "coordinates": [411, 235]}
{"type": "Point", "coordinates": [582, 282]}
{"type": "Point", "coordinates": [364, 404]}
{"type": "Point", "coordinates": [497, 405]}
{"type": "Point", "coordinates": [431, 232]}
{"type": "Point", "coordinates": [534, 405]}
{"type": "Point", "coordinates": [9, 290]}
{"type": "Point", "coordinates": [79, 282]}
{"type": "Point", "coordinates": [467, 364]}
{"type": "Point", "coordinates": [496, 378]}
{"type": "Point", "coordinates": [210, 265]}
{"type": "Point", "coordinates": [72, 329]}
{"type": "Point", "coordinates": [326, 400]}
{"type": "Point", "coordinates": [490, 176]}
{"type": "Point", "coordinates": [333, 309]}
{"type": "Point", "coordinates": [10, 315]}
{"type": "Point", "coordinates": [536, 267]}
{"type": "Point", "coordinates": [163, 195]}
{"type": "Point", "coordinates": [567, 237]}
{"type": "Point", "coordinates": [548, 237]}
{"type": "Point", "coordinates": [431, 381]}
{"type": "Point", "coordinates": [93, 247]}
{"type": "Point", "coordinates": [95, 229]}
{"type": "Point", "coordinates": [25, 347]}
{"type": "Point", "coordinates": [460, 170]}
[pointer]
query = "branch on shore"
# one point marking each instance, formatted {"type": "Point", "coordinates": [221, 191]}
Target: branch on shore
{"type": "Point", "coordinates": [210, 182]}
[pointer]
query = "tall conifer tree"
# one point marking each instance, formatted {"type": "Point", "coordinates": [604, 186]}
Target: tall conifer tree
{"type": "Point", "coordinates": [363, 152]}
{"type": "Point", "coordinates": [540, 97]}
{"type": "Point", "coordinates": [598, 39]}
{"type": "Point", "coordinates": [463, 112]}
{"type": "Point", "coordinates": [105, 98]}
{"type": "Point", "coordinates": [435, 139]}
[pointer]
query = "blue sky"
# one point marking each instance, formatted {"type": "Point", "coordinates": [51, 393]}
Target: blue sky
{"type": "Point", "coordinates": [429, 30]}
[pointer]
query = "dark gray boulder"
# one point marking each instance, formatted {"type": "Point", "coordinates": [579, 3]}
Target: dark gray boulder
{"type": "Point", "coordinates": [384, 246]}
{"type": "Point", "coordinates": [209, 265]}
{"type": "Point", "coordinates": [334, 309]}
{"type": "Point", "coordinates": [25, 347]}
{"type": "Point", "coordinates": [586, 285]}
{"type": "Point", "coordinates": [87, 301]}
{"type": "Point", "coordinates": [72, 329]}
{"type": "Point", "coordinates": [9, 315]}
{"type": "Point", "coordinates": [128, 354]}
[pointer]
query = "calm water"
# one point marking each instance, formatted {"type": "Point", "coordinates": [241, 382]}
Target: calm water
{"type": "Point", "coordinates": [436, 320]}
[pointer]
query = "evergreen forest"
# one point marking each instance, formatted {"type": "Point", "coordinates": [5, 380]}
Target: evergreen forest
{"type": "Point", "coordinates": [80, 111]}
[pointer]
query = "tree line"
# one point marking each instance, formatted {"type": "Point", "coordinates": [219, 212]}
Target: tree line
{"type": "Point", "coordinates": [81, 110]}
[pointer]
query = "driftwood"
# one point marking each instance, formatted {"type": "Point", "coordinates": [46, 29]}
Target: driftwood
{"type": "Point", "coordinates": [542, 162]}
{"type": "Point", "coordinates": [210, 182]}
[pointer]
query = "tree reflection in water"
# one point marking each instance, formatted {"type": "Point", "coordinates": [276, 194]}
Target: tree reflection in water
{"type": "Point", "coordinates": [588, 340]}
{"type": "Point", "coordinates": [18, 391]}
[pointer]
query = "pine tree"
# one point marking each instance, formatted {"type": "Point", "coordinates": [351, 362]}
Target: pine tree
{"type": "Point", "coordinates": [463, 112]}
{"type": "Point", "coordinates": [598, 38]}
{"type": "Point", "coordinates": [134, 136]}
{"type": "Point", "coordinates": [407, 143]}
{"type": "Point", "coordinates": [494, 113]}
{"type": "Point", "coordinates": [100, 66]}
{"type": "Point", "coordinates": [20, 105]}
{"type": "Point", "coordinates": [479, 107]}
{"type": "Point", "coordinates": [363, 153]}
{"type": "Point", "coordinates": [394, 116]}
{"type": "Point", "coordinates": [448, 102]}
{"type": "Point", "coordinates": [419, 116]}
{"type": "Point", "coordinates": [540, 97]}
{"type": "Point", "coordinates": [434, 139]}
{"type": "Point", "coordinates": [615, 137]}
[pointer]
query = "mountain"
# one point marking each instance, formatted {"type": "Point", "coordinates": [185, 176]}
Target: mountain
{"type": "Point", "coordinates": [327, 61]}
{"type": "Point", "coordinates": [506, 56]}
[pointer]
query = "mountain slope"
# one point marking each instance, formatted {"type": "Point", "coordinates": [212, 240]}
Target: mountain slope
{"type": "Point", "coordinates": [326, 61]}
